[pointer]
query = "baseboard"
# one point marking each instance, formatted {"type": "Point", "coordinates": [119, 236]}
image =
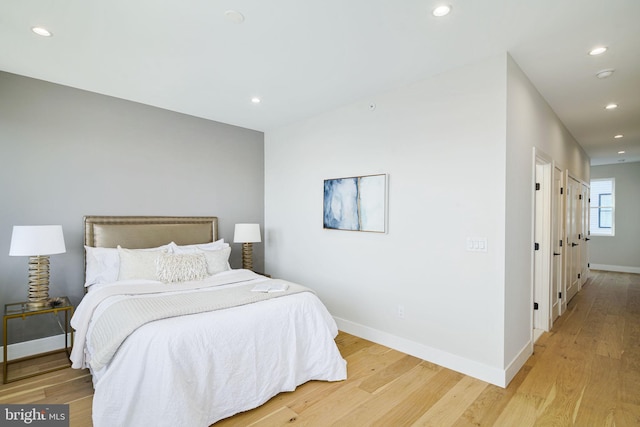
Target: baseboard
{"type": "Point", "coordinates": [616, 268]}
{"type": "Point", "coordinates": [30, 348]}
{"type": "Point", "coordinates": [518, 362]}
{"type": "Point", "coordinates": [451, 361]}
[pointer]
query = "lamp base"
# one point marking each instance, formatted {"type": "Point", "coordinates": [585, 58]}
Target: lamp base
{"type": "Point", "coordinates": [35, 305]}
{"type": "Point", "coordinates": [247, 256]}
{"type": "Point", "coordinates": [38, 282]}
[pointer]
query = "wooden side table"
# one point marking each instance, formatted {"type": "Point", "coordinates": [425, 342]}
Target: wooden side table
{"type": "Point", "coordinates": [22, 310]}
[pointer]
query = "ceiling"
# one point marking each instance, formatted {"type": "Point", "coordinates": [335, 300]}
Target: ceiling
{"type": "Point", "coordinates": [306, 57]}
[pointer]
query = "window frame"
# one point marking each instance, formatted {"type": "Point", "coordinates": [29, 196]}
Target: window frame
{"type": "Point", "coordinates": [595, 227]}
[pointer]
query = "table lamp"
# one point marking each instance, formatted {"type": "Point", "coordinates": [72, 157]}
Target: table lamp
{"type": "Point", "coordinates": [247, 234]}
{"type": "Point", "coordinates": [37, 242]}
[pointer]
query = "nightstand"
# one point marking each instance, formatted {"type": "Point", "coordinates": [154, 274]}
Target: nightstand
{"type": "Point", "coordinates": [22, 310]}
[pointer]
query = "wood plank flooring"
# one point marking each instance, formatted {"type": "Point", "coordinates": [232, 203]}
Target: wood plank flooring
{"type": "Point", "coordinates": [585, 372]}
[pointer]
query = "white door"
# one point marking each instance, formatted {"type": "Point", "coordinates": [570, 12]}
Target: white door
{"type": "Point", "coordinates": [542, 246]}
{"type": "Point", "coordinates": [584, 235]}
{"type": "Point", "coordinates": [573, 225]}
{"type": "Point", "coordinates": [557, 222]}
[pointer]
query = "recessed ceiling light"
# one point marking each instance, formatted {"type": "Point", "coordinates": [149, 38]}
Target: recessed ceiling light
{"type": "Point", "coordinates": [611, 106]}
{"type": "Point", "coordinates": [441, 10]}
{"type": "Point", "coordinates": [621, 152]}
{"type": "Point", "coordinates": [618, 136]}
{"type": "Point", "coordinates": [598, 51]}
{"type": "Point", "coordinates": [603, 74]}
{"type": "Point", "coordinates": [41, 31]}
{"type": "Point", "coordinates": [256, 100]}
{"type": "Point", "coordinates": [234, 16]}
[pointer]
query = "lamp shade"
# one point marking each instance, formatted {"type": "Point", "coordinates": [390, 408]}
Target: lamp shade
{"type": "Point", "coordinates": [36, 240]}
{"type": "Point", "coordinates": [247, 233]}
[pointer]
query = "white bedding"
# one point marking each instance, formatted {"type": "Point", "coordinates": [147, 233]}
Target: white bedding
{"type": "Point", "coordinates": [197, 369]}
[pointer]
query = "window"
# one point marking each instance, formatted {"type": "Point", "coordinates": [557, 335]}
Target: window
{"type": "Point", "coordinates": [602, 216]}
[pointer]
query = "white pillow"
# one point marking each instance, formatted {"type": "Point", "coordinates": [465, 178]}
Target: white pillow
{"type": "Point", "coordinates": [190, 249]}
{"type": "Point", "coordinates": [181, 267]}
{"type": "Point", "coordinates": [218, 260]}
{"type": "Point", "coordinates": [103, 265]}
{"type": "Point", "coordinates": [138, 263]}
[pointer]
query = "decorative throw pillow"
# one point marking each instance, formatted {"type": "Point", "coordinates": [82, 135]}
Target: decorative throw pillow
{"type": "Point", "coordinates": [138, 263]}
{"type": "Point", "coordinates": [217, 261]}
{"type": "Point", "coordinates": [181, 267]}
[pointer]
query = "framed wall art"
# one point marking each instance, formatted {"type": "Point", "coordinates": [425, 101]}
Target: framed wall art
{"type": "Point", "coordinates": [356, 203]}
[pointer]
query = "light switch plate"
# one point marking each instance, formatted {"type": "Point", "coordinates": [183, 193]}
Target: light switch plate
{"type": "Point", "coordinates": [477, 244]}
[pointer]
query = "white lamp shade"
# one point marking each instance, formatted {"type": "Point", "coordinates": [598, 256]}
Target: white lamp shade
{"type": "Point", "coordinates": [34, 240]}
{"type": "Point", "coordinates": [247, 233]}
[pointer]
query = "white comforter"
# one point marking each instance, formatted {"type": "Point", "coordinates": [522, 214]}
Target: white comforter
{"type": "Point", "coordinates": [195, 370]}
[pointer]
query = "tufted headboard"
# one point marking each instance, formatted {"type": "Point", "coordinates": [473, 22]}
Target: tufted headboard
{"type": "Point", "coordinates": [137, 232]}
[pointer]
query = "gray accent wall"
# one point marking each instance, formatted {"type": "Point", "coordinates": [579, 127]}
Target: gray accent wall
{"type": "Point", "coordinates": [66, 153]}
{"type": "Point", "coordinates": [622, 251]}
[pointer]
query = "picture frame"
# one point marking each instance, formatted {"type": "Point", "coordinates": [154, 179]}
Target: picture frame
{"type": "Point", "coordinates": [357, 203]}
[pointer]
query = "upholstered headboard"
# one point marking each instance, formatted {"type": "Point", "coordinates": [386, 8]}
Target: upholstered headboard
{"type": "Point", "coordinates": [137, 232]}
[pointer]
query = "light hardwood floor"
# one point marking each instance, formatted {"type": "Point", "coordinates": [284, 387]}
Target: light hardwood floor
{"type": "Point", "coordinates": [585, 372]}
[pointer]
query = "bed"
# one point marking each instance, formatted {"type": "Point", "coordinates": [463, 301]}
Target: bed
{"type": "Point", "coordinates": [174, 337]}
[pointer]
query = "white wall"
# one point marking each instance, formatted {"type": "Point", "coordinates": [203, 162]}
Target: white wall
{"type": "Point", "coordinates": [458, 148]}
{"type": "Point", "coordinates": [442, 142]}
{"type": "Point", "coordinates": [66, 153]}
{"type": "Point", "coordinates": [622, 251]}
{"type": "Point", "coordinates": [530, 123]}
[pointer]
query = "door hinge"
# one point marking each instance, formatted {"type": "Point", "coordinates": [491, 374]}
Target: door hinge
{"type": "Point", "coordinates": [535, 305]}
{"type": "Point", "coordinates": [578, 275]}
{"type": "Point", "coordinates": [588, 265]}
{"type": "Point", "coordinates": [560, 242]}
{"type": "Point", "coordinates": [559, 295]}
{"type": "Point", "coordinates": [579, 236]}
{"type": "Point", "coordinates": [579, 196]}
{"type": "Point", "coordinates": [561, 190]}
{"type": "Point", "coordinates": [536, 246]}
{"type": "Point", "coordinates": [537, 186]}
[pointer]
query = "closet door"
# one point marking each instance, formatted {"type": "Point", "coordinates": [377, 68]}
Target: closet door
{"type": "Point", "coordinates": [584, 235]}
{"type": "Point", "coordinates": [573, 231]}
{"type": "Point", "coordinates": [557, 233]}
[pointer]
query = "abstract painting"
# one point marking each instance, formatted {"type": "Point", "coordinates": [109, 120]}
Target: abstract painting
{"type": "Point", "coordinates": [356, 203]}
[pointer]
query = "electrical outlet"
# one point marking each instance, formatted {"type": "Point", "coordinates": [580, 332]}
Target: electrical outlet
{"type": "Point", "coordinates": [400, 312]}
